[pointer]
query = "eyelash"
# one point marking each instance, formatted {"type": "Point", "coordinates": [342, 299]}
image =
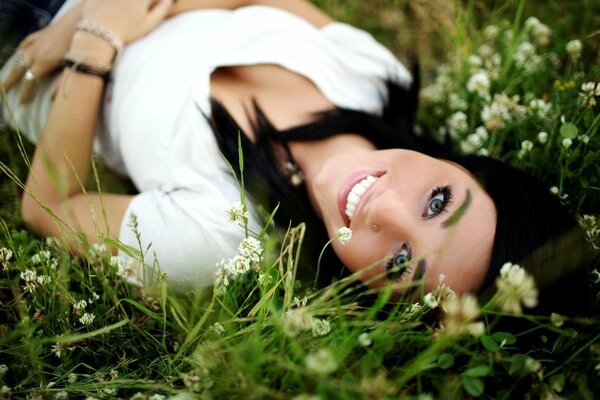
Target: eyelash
{"type": "Point", "coordinates": [389, 266]}
{"type": "Point", "coordinates": [448, 197]}
{"type": "Point", "coordinates": [399, 274]}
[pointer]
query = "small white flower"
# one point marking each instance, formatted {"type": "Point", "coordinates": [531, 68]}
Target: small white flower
{"type": "Point", "coordinates": [251, 248]}
{"type": "Point", "coordinates": [296, 321]}
{"type": "Point", "coordinates": [364, 339]}
{"type": "Point", "coordinates": [532, 365]}
{"type": "Point", "coordinates": [100, 248]}
{"type": "Point", "coordinates": [588, 94]}
{"type": "Point", "coordinates": [515, 287]}
{"type": "Point", "coordinates": [40, 257]}
{"type": "Point", "coordinates": [157, 396]}
{"type": "Point", "coordinates": [222, 274]}
{"type": "Point", "coordinates": [479, 83]}
{"type": "Point", "coordinates": [542, 34]}
{"type": "Point", "coordinates": [237, 213]}
{"type": "Point", "coordinates": [95, 297]}
{"type": "Point", "coordinates": [491, 32]}
{"type": "Point", "coordinates": [485, 51]}
{"type": "Point", "coordinates": [87, 319]}
{"type": "Point", "coordinates": [62, 395]}
{"type": "Point", "coordinates": [5, 256]}
{"type": "Point", "coordinates": [44, 279]}
{"type": "Point", "coordinates": [300, 302]}
{"type": "Point", "coordinates": [320, 327]}
{"type": "Point", "coordinates": [574, 48]}
{"type": "Point", "coordinates": [138, 396]}
{"type": "Point", "coordinates": [127, 267]}
{"type": "Point", "coordinates": [475, 61]}
{"type": "Point", "coordinates": [30, 277]}
{"type": "Point", "coordinates": [344, 235]}
{"type": "Point", "coordinates": [532, 22]}
{"type": "Point", "coordinates": [540, 108]}
{"type": "Point", "coordinates": [3, 370]}
{"type": "Point", "coordinates": [567, 143]}
{"type": "Point", "coordinates": [526, 145]}
{"type": "Point", "coordinates": [460, 316]}
{"type": "Point", "coordinates": [238, 265]}
{"type": "Point", "coordinates": [456, 103]}
{"type": "Point", "coordinates": [542, 137]}
{"type": "Point", "coordinates": [457, 124]}
{"type": "Point", "coordinates": [264, 279]}
{"type": "Point", "coordinates": [322, 362]}
{"type": "Point", "coordinates": [554, 190]}
{"type": "Point", "coordinates": [80, 306]}
{"type": "Point", "coordinates": [217, 329]}
{"type": "Point", "coordinates": [72, 378]}
{"type": "Point", "coordinates": [585, 139]}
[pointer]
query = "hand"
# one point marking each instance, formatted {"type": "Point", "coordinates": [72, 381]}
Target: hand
{"type": "Point", "coordinates": [128, 20]}
{"type": "Point", "coordinates": [40, 54]}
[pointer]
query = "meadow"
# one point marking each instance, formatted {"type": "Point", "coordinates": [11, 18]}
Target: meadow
{"type": "Point", "coordinates": [516, 80]}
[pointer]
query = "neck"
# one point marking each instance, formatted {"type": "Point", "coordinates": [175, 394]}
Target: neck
{"type": "Point", "coordinates": [313, 154]}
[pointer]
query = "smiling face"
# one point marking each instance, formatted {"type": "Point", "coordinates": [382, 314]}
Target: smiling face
{"type": "Point", "coordinates": [405, 210]}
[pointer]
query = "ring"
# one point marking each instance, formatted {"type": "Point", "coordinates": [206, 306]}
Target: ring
{"type": "Point", "coordinates": [30, 76]}
{"type": "Point", "coordinates": [20, 61]}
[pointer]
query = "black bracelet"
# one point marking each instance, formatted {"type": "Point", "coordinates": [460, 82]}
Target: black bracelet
{"type": "Point", "coordinates": [84, 68]}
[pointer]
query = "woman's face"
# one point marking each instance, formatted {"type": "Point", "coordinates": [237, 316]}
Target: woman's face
{"type": "Point", "coordinates": [403, 205]}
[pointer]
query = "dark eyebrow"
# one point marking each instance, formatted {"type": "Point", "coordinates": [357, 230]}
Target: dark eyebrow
{"type": "Point", "coordinates": [460, 211]}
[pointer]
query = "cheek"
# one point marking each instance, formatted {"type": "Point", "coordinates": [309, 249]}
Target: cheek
{"type": "Point", "coordinates": [363, 254]}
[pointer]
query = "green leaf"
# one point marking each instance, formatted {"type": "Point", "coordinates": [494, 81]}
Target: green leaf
{"type": "Point", "coordinates": [568, 130]}
{"type": "Point", "coordinates": [557, 382]}
{"type": "Point", "coordinates": [508, 338]}
{"type": "Point", "coordinates": [478, 371]}
{"type": "Point", "coordinates": [516, 364]}
{"type": "Point", "coordinates": [489, 343]}
{"type": "Point", "coordinates": [473, 386]}
{"type": "Point", "coordinates": [445, 361]}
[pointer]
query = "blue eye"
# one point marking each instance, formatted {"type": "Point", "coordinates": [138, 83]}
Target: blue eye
{"type": "Point", "coordinates": [399, 264]}
{"type": "Point", "coordinates": [438, 202]}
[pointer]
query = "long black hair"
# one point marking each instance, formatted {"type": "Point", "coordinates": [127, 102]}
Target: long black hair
{"type": "Point", "coordinates": [533, 229]}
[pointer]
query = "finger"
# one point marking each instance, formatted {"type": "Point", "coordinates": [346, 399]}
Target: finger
{"type": "Point", "coordinates": [28, 85]}
{"type": "Point", "coordinates": [27, 41]}
{"type": "Point", "coordinates": [18, 68]}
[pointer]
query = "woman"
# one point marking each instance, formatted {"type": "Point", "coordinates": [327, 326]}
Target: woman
{"type": "Point", "coordinates": [315, 102]}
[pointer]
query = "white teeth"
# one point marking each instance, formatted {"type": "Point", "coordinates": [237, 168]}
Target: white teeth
{"type": "Point", "coordinates": [356, 193]}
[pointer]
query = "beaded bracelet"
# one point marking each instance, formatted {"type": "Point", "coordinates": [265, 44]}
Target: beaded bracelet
{"type": "Point", "coordinates": [84, 68]}
{"type": "Point", "coordinates": [102, 32]}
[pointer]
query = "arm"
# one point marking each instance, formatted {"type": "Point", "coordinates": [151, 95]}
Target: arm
{"type": "Point", "coordinates": [301, 8]}
{"type": "Point", "coordinates": [53, 202]}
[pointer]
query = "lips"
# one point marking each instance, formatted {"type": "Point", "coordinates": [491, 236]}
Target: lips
{"type": "Point", "coordinates": [352, 192]}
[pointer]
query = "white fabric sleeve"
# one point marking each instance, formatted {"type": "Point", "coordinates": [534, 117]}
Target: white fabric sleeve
{"type": "Point", "coordinates": [367, 53]}
{"type": "Point", "coordinates": [184, 231]}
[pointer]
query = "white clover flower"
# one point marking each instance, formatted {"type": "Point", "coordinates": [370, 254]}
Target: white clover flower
{"type": "Point", "coordinates": [526, 145]}
{"type": "Point", "coordinates": [320, 327]}
{"type": "Point", "coordinates": [300, 302]}
{"type": "Point", "coordinates": [5, 256]}
{"type": "Point", "coordinates": [540, 108]}
{"type": "Point", "coordinates": [475, 62]}
{"type": "Point", "coordinates": [344, 235]}
{"type": "Point", "coordinates": [126, 267]}
{"type": "Point", "coordinates": [585, 139]}
{"type": "Point", "coordinates": [532, 365]}
{"type": "Point", "coordinates": [457, 124]}
{"type": "Point", "coordinates": [479, 83]}
{"type": "Point", "coordinates": [217, 329]}
{"type": "Point", "coordinates": [525, 52]}
{"type": "Point", "coordinates": [5, 392]}
{"type": "Point", "coordinates": [542, 137]}
{"type": "Point", "coordinates": [515, 287]}
{"type": "Point", "coordinates": [3, 370]}
{"type": "Point", "coordinates": [592, 233]}
{"type": "Point", "coordinates": [40, 257]}
{"type": "Point", "coordinates": [542, 34]}
{"type": "Point", "coordinates": [460, 316]}
{"type": "Point", "coordinates": [491, 32]}
{"type": "Point", "coordinates": [30, 277]}
{"type": "Point", "coordinates": [574, 48]}
{"type": "Point", "coordinates": [44, 279]}
{"type": "Point", "coordinates": [100, 248]}
{"type": "Point", "coordinates": [264, 279]}
{"type": "Point", "coordinates": [222, 274]}
{"type": "Point", "coordinates": [567, 143]}
{"type": "Point", "coordinates": [532, 22]}
{"type": "Point", "coordinates": [494, 116]}
{"type": "Point", "coordinates": [322, 362]}
{"type": "Point", "coordinates": [364, 339]}
{"type": "Point", "coordinates": [87, 319]}
{"type": "Point", "coordinates": [456, 103]}
{"type": "Point", "coordinates": [57, 349]}
{"type": "Point", "coordinates": [554, 190]}
{"type": "Point", "coordinates": [158, 396]}
{"type": "Point", "coordinates": [138, 396]}
{"type": "Point", "coordinates": [483, 152]}
{"type": "Point", "coordinates": [437, 296]}
{"type": "Point", "coordinates": [297, 321]}
{"type": "Point", "coordinates": [251, 249]}
{"type": "Point", "coordinates": [80, 306]}
{"type": "Point", "coordinates": [94, 297]}
{"type": "Point", "coordinates": [237, 213]}
{"type": "Point", "coordinates": [485, 51]}
{"type": "Point", "coordinates": [238, 265]}
{"type": "Point", "coordinates": [589, 92]}
{"type": "Point", "coordinates": [62, 395]}
{"type": "Point", "coordinates": [72, 378]}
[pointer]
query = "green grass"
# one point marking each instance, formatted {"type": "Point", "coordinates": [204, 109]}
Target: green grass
{"type": "Point", "coordinates": [269, 335]}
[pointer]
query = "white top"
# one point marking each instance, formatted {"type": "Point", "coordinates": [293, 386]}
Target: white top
{"type": "Point", "coordinates": [157, 135]}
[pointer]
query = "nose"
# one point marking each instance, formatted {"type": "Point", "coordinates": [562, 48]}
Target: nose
{"type": "Point", "coordinates": [391, 213]}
